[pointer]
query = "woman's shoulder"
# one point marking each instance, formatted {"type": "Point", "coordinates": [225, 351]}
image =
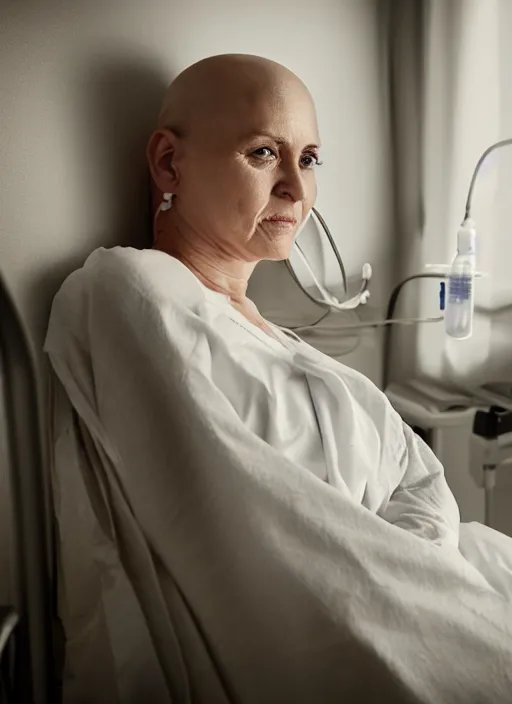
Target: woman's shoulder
{"type": "Point", "coordinates": [146, 291]}
{"type": "Point", "coordinates": [145, 273]}
{"type": "Point", "coordinates": [136, 283]}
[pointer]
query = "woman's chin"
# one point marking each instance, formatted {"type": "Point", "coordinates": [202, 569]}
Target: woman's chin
{"type": "Point", "coordinates": [279, 250]}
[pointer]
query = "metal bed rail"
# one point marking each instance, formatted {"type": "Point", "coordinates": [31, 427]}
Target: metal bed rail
{"type": "Point", "coordinates": [33, 668]}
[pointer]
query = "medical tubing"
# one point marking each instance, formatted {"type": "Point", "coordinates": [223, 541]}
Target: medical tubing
{"type": "Point", "coordinates": [392, 301]}
{"type": "Point", "coordinates": [493, 147]}
{"type": "Point", "coordinates": [337, 254]}
{"type": "Point", "coordinates": [333, 247]}
{"type": "Point", "coordinates": [325, 293]}
{"type": "Point", "coordinates": [460, 293]}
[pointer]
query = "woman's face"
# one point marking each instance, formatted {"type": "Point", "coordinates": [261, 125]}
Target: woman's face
{"type": "Point", "coordinates": [247, 175]}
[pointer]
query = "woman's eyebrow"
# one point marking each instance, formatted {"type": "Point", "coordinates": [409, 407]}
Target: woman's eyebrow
{"type": "Point", "coordinates": [276, 139]}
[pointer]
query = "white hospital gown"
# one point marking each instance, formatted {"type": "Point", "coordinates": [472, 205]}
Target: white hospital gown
{"type": "Point", "coordinates": [337, 424]}
{"type": "Point", "coordinates": [329, 419]}
{"type": "Point", "coordinates": [206, 469]}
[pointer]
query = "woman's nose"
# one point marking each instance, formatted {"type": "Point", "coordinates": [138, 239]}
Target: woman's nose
{"type": "Point", "coordinates": [291, 185]}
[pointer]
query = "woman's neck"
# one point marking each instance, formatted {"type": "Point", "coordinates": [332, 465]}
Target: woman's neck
{"type": "Point", "coordinates": [215, 270]}
{"type": "Point", "coordinates": [218, 273]}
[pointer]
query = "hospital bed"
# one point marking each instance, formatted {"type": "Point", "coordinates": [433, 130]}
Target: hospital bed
{"type": "Point", "coordinates": [26, 628]}
{"type": "Point", "coordinates": [27, 641]}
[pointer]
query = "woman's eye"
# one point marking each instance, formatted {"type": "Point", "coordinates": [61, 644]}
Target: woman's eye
{"type": "Point", "coordinates": [308, 161]}
{"type": "Point", "coordinates": [264, 153]}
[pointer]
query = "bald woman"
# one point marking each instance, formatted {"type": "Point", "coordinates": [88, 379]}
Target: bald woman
{"type": "Point", "coordinates": [242, 518]}
{"type": "Point", "coordinates": [237, 147]}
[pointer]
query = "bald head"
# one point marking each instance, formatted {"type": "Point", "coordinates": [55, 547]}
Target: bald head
{"type": "Point", "coordinates": [226, 85]}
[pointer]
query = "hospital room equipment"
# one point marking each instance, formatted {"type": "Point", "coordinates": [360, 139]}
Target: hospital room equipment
{"type": "Point", "coordinates": [457, 287]}
{"type": "Point", "coordinates": [330, 301]}
{"type": "Point", "coordinates": [469, 430]}
{"type": "Point", "coordinates": [443, 419]}
{"type": "Point", "coordinates": [492, 428]}
{"type": "Point", "coordinates": [460, 299]}
{"type": "Point", "coordinates": [26, 640]}
{"type": "Point", "coordinates": [327, 298]}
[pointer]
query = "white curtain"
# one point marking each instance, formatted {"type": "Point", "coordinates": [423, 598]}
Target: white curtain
{"type": "Point", "coordinates": [448, 77]}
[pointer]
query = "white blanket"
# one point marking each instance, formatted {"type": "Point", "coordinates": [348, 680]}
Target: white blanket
{"type": "Point", "coordinates": [201, 563]}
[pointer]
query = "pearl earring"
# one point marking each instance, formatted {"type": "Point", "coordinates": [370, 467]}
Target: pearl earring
{"type": "Point", "coordinates": [166, 204]}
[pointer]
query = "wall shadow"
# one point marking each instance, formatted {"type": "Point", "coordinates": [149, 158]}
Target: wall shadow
{"type": "Point", "coordinates": [117, 101]}
{"type": "Point", "coordinates": [123, 99]}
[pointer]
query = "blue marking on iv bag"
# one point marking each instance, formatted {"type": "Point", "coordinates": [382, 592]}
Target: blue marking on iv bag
{"type": "Point", "coordinates": [460, 287]}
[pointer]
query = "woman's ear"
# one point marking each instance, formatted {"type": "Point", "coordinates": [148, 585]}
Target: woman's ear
{"type": "Point", "coordinates": [161, 152]}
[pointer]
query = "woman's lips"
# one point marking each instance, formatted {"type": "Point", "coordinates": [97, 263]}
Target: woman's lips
{"type": "Point", "coordinates": [282, 220]}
